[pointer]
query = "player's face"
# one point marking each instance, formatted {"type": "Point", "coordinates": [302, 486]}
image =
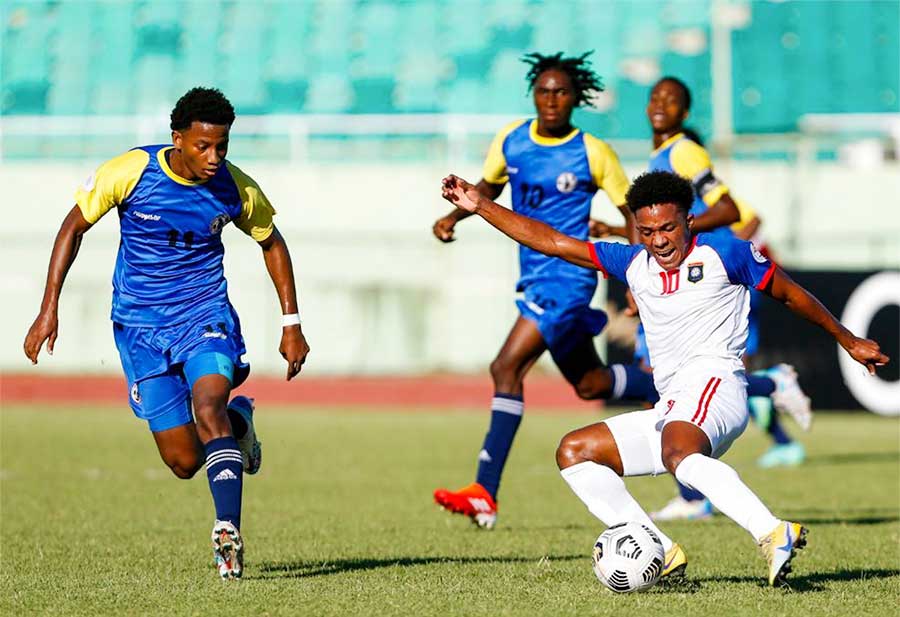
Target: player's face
{"type": "Point", "coordinates": [203, 148]}
{"type": "Point", "coordinates": [666, 232]}
{"type": "Point", "coordinates": [665, 110]}
{"type": "Point", "coordinates": [554, 99]}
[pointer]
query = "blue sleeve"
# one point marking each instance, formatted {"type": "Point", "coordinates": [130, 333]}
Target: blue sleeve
{"type": "Point", "coordinates": [743, 262]}
{"type": "Point", "coordinates": [613, 259]}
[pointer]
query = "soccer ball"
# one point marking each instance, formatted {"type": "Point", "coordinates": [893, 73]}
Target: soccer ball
{"type": "Point", "coordinates": [628, 557]}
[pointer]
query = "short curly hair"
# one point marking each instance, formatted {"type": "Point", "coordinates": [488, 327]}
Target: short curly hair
{"type": "Point", "coordinates": [585, 81]}
{"type": "Point", "coordinates": [201, 105]}
{"type": "Point", "coordinates": [686, 98]}
{"type": "Point", "coordinates": [660, 187]}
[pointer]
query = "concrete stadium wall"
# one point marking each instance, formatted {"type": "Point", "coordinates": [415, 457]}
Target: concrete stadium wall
{"type": "Point", "coordinates": [378, 293]}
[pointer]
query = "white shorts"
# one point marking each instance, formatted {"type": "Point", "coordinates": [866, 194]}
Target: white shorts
{"type": "Point", "coordinates": [717, 404]}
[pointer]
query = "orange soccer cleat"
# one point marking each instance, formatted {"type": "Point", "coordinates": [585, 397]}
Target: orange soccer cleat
{"type": "Point", "coordinates": [474, 501]}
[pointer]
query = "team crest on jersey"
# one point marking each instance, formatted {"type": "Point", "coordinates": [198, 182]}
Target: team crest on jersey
{"type": "Point", "coordinates": [135, 394]}
{"type": "Point", "coordinates": [566, 182]}
{"type": "Point", "coordinates": [756, 254]}
{"type": "Point", "coordinates": [695, 272]}
{"type": "Point", "coordinates": [219, 223]}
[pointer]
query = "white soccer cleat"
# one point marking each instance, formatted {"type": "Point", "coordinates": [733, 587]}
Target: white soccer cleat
{"type": "Point", "coordinates": [788, 397]}
{"type": "Point", "coordinates": [680, 509]}
{"type": "Point", "coordinates": [228, 550]}
{"type": "Point", "coordinates": [249, 445]}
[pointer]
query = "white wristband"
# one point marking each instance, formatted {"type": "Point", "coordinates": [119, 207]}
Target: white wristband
{"type": "Point", "coordinates": [290, 320]}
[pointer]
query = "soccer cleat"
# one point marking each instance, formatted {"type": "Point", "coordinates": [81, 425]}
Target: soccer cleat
{"type": "Point", "coordinates": [474, 501]}
{"type": "Point", "coordinates": [783, 455]}
{"type": "Point", "coordinates": [249, 445]}
{"type": "Point", "coordinates": [680, 509]}
{"type": "Point", "coordinates": [788, 397]}
{"type": "Point", "coordinates": [228, 550]}
{"type": "Point", "coordinates": [779, 547]}
{"type": "Point", "coordinates": [674, 565]}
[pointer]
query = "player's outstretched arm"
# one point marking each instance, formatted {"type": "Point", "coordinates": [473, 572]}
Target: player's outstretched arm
{"type": "Point", "coordinates": [65, 249]}
{"type": "Point", "coordinates": [443, 227]}
{"type": "Point", "coordinates": [293, 346]}
{"type": "Point", "coordinates": [803, 303]}
{"type": "Point", "coordinates": [522, 229]}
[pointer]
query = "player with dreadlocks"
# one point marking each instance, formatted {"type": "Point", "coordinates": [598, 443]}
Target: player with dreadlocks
{"type": "Point", "coordinates": [554, 170]}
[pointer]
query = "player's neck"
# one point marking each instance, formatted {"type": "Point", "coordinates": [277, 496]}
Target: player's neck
{"type": "Point", "coordinates": [662, 136]}
{"type": "Point", "coordinates": [557, 132]}
{"type": "Point", "coordinates": [176, 164]}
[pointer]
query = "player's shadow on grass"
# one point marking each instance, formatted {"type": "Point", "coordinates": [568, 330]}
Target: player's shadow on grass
{"type": "Point", "coordinates": [844, 458]}
{"type": "Point", "coordinates": [858, 516]}
{"type": "Point", "coordinates": [306, 569]}
{"type": "Point", "coordinates": [815, 581]}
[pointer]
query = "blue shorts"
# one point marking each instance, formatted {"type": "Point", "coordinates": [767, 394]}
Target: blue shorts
{"type": "Point", "coordinates": [161, 364]}
{"type": "Point", "coordinates": [562, 313]}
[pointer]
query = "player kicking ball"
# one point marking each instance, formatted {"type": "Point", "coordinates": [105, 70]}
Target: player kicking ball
{"type": "Point", "coordinates": [693, 295]}
{"type": "Point", "coordinates": [177, 334]}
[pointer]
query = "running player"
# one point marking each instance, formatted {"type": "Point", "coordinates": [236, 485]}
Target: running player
{"type": "Point", "coordinates": [692, 292]}
{"type": "Point", "coordinates": [554, 170]}
{"type": "Point", "coordinates": [178, 336]}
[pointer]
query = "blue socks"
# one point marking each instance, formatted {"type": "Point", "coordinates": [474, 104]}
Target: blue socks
{"type": "Point", "coordinates": [225, 471]}
{"type": "Point", "coordinates": [777, 432]}
{"type": "Point", "coordinates": [758, 385]}
{"type": "Point", "coordinates": [506, 415]}
{"type": "Point", "coordinates": [630, 382]}
{"type": "Point", "coordinates": [689, 494]}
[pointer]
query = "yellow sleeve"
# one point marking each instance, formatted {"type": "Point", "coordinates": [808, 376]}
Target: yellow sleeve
{"type": "Point", "coordinates": [691, 161]}
{"type": "Point", "coordinates": [746, 211]}
{"type": "Point", "coordinates": [494, 170]}
{"type": "Point", "coordinates": [606, 170]}
{"type": "Point", "coordinates": [256, 211]}
{"type": "Point", "coordinates": [110, 185]}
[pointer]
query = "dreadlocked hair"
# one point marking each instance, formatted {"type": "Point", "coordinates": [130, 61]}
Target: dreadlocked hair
{"type": "Point", "coordinates": [585, 81]}
{"type": "Point", "coordinates": [202, 105]}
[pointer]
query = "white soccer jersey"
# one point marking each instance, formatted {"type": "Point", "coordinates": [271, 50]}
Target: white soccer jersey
{"type": "Point", "coordinates": [696, 314]}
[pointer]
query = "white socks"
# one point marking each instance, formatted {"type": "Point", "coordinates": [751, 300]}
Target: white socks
{"type": "Point", "coordinates": [724, 488]}
{"type": "Point", "coordinates": [605, 495]}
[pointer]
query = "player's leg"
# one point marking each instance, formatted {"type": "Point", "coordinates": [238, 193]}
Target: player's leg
{"type": "Point", "coordinates": [591, 379]}
{"type": "Point", "coordinates": [700, 429]}
{"type": "Point", "coordinates": [523, 346]}
{"type": "Point", "coordinates": [592, 460]}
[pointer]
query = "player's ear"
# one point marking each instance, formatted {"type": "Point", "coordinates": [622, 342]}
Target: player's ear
{"type": "Point", "coordinates": [176, 139]}
{"type": "Point", "coordinates": [689, 219]}
{"type": "Point", "coordinates": [684, 115]}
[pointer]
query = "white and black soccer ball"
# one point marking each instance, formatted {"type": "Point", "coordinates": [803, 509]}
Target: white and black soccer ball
{"type": "Point", "coordinates": [628, 557]}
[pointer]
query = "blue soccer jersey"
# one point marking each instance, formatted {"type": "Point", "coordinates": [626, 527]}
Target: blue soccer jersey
{"type": "Point", "coordinates": [169, 264]}
{"type": "Point", "coordinates": [688, 159]}
{"type": "Point", "coordinates": [554, 180]}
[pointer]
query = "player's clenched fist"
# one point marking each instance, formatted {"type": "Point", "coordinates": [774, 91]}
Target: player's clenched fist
{"type": "Point", "coordinates": [866, 352]}
{"type": "Point", "coordinates": [443, 229]}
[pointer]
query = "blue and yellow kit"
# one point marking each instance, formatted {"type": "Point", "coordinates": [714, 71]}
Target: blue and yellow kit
{"type": "Point", "coordinates": [690, 160]}
{"type": "Point", "coordinates": [173, 322]}
{"type": "Point", "coordinates": [554, 180]}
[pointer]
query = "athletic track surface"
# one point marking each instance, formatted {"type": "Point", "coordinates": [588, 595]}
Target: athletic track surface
{"type": "Point", "coordinates": [384, 393]}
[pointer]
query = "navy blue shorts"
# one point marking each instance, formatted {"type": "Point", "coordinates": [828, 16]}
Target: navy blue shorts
{"type": "Point", "coordinates": [161, 364]}
{"type": "Point", "coordinates": [562, 313]}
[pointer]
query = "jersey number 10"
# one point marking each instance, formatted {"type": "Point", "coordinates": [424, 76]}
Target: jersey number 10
{"type": "Point", "coordinates": [531, 194]}
{"type": "Point", "coordinates": [669, 281]}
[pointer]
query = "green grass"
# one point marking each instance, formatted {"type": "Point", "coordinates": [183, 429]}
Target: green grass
{"type": "Point", "coordinates": [340, 521]}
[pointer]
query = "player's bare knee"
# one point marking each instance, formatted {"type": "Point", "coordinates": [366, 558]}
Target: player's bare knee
{"type": "Point", "coordinates": [184, 467]}
{"type": "Point", "coordinates": [575, 448]}
{"type": "Point", "coordinates": [505, 373]}
{"type": "Point", "coordinates": [672, 455]}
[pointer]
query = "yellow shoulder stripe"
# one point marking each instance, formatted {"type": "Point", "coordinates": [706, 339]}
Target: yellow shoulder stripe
{"type": "Point", "coordinates": [494, 169]}
{"type": "Point", "coordinates": [256, 215]}
{"type": "Point", "coordinates": [606, 170]}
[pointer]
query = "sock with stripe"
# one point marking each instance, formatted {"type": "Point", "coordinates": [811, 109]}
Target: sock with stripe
{"type": "Point", "coordinates": [777, 431]}
{"type": "Point", "coordinates": [606, 497]}
{"type": "Point", "coordinates": [225, 471]}
{"type": "Point", "coordinates": [631, 382]}
{"type": "Point", "coordinates": [727, 492]}
{"type": "Point", "coordinates": [506, 415]}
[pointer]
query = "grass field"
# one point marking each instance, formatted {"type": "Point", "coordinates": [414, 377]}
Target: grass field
{"type": "Point", "coordinates": [340, 521]}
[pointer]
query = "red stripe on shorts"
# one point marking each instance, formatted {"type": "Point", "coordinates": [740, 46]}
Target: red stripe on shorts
{"type": "Point", "coordinates": [708, 399]}
{"type": "Point", "coordinates": [702, 396]}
